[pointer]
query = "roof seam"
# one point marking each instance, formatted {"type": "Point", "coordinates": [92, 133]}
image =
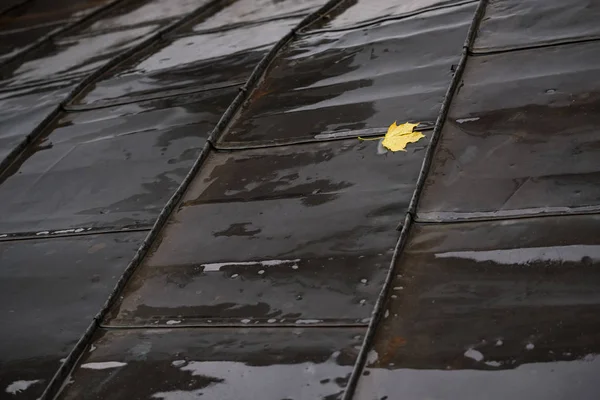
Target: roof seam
{"type": "Point", "coordinates": [378, 311]}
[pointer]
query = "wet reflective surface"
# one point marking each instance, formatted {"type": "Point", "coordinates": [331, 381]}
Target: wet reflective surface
{"type": "Point", "coordinates": [86, 48]}
{"type": "Point", "coordinates": [211, 59]}
{"type": "Point", "coordinates": [31, 15]}
{"type": "Point", "coordinates": [109, 168]}
{"type": "Point", "coordinates": [251, 11]}
{"type": "Point", "coordinates": [526, 138]}
{"type": "Point", "coordinates": [174, 364]}
{"type": "Point", "coordinates": [269, 205]}
{"type": "Point", "coordinates": [495, 310]}
{"type": "Point", "coordinates": [511, 24]}
{"type": "Point", "coordinates": [21, 111]}
{"type": "Point", "coordinates": [49, 292]}
{"type": "Point", "coordinates": [361, 12]}
{"type": "Point", "coordinates": [72, 56]}
{"type": "Point", "coordinates": [264, 278]}
{"type": "Point", "coordinates": [358, 80]}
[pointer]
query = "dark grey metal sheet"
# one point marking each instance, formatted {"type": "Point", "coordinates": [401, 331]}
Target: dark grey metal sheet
{"type": "Point", "coordinates": [513, 24]}
{"type": "Point", "coordinates": [21, 111]}
{"type": "Point", "coordinates": [520, 140]}
{"type": "Point", "coordinates": [144, 12]}
{"type": "Point", "coordinates": [39, 13]}
{"type": "Point", "coordinates": [49, 292]}
{"type": "Point", "coordinates": [270, 236]}
{"type": "Point", "coordinates": [219, 58]}
{"type": "Point", "coordinates": [225, 364]}
{"type": "Point", "coordinates": [11, 42]}
{"type": "Point", "coordinates": [360, 12]}
{"type": "Point", "coordinates": [356, 80]}
{"type": "Point", "coordinates": [71, 56]}
{"type": "Point", "coordinates": [248, 11]}
{"type": "Point", "coordinates": [109, 168]}
{"type": "Point", "coordinates": [494, 310]}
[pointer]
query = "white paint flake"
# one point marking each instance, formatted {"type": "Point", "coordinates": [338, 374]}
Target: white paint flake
{"type": "Point", "coordinates": [527, 255]}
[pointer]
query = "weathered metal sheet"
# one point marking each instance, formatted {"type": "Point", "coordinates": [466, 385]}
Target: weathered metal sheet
{"type": "Point", "coordinates": [183, 62]}
{"type": "Point", "coordinates": [216, 363]}
{"type": "Point", "coordinates": [525, 138]}
{"type": "Point", "coordinates": [108, 169]}
{"type": "Point", "coordinates": [249, 244]}
{"type": "Point", "coordinates": [356, 80]}
{"type": "Point", "coordinates": [502, 309]}
{"type": "Point", "coordinates": [513, 24]}
{"type": "Point", "coordinates": [49, 292]}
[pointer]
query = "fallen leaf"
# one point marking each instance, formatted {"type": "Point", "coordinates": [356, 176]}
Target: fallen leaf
{"type": "Point", "coordinates": [398, 136]}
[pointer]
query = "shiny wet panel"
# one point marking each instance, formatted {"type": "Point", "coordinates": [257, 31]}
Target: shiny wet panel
{"type": "Point", "coordinates": [269, 205]}
{"type": "Point", "coordinates": [172, 364]}
{"type": "Point", "coordinates": [492, 310]}
{"type": "Point", "coordinates": [355, 81]}
{"type": "Point", "coordinates": [198, 201]}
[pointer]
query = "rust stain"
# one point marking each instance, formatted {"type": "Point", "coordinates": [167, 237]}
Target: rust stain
{"type": "Point", "coordinates": [392, 346]}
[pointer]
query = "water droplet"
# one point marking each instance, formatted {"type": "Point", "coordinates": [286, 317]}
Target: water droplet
{"type": "Point", "coordinates": [530, 346]}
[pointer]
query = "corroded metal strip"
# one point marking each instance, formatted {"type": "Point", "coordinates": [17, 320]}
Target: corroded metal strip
{"type": "Point", "coordinates": [379, 305]}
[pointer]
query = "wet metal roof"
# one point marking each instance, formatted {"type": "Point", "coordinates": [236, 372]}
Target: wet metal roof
{"type": "Point", "coordinates": [196, 202]}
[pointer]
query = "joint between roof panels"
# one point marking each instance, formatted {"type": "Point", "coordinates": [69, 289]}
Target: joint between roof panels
{"type": "Point", "coordinates": [57, 381]}
{"type": "Point", "coordinates": [236, 325]}
{"type": "Point", "coordinates": [555, 43]}
{"type": "Point", "coordinates": [378, 311]}
{"type": "Point", "coordinates": [69, 232]}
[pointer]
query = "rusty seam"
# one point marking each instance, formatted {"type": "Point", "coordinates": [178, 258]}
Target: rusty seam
{"type": "Point", "coordinates": [378, 311]}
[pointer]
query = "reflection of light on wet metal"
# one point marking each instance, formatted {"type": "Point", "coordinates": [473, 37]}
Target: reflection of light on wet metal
{"type": "Point", "coordinates": [231, 379]}
{"type": "Point", "coordinates": [573, 253]}
{"type": "Point", "coordinates": [20, 386]}
{"type": "Point", "coordinates": [213, 267]}
{"type": "Point", "coordinates": [104, 365]}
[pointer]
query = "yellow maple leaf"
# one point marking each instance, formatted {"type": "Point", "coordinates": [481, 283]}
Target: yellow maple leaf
{"type": "Point", "coordinates": [398, 136]}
